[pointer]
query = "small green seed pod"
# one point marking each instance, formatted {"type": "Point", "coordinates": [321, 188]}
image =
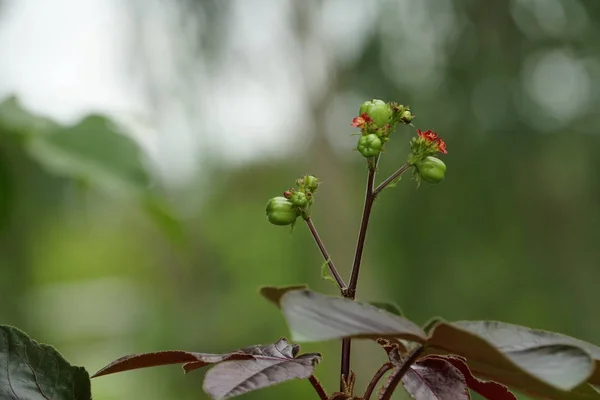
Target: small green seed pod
{"type": "Point", "coordinates": [369, 145]}
{"type": "Point", "coordinates": [299, 199]}
{"type": "Point", "coordinates": [281, 211]}
{"type": "Point", "coordinates": [432, 169]}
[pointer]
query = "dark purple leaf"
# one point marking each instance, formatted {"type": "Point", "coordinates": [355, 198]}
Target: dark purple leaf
{"type": "Point", "coordinates": [273, 293]}
{"type": "Point", "coordinates": [191, 360]}
{"type": "Point", "coordinates": [435, 378]}
{"type": "Point", "coordinates": [237, 372]}
{"type": "Point", "coordinates": [35, 371]}
{"type": "Point", "coordinates": [314, 317]}
{"type": "Point", "coordinates": [270, 365]}
{"type": "Point", "coordinates": [535, 362]}
{"type": "Point", "coordinates": [488, 389]}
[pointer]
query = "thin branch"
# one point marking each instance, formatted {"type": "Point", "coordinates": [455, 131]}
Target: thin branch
{"type": "Point", "coordinates": [318, 387]}
{"type": "Point", "coordinates": [376, 378]}
{"type": "Point", "coordinates": [362, 234]}
{"type": "Point", "coordinates": [397, 375]}
{"type": "Point", "coordinates": [319, 242]}
{"type": "Point", "coordinates": [389, 180]}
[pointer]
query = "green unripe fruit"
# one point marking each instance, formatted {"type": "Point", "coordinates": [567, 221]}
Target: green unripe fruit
{"type": "Point", "coordinates": [281, 211]}
{"type": "Point", "coordinates": [299, 199]}
{"type": "Point", "coordinates": [364, 108]}
{"type": "Point", "coordinates": [432, 169]}
{"type": "Point", "coordinates": [369, 145]}
{"type": "Point", "coordinates": [379, 111]}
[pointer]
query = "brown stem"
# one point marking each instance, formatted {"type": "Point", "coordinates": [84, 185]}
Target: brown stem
{"type": "Point", "coordinates": [389, 180]}
{"type": "Point", "coordinates": [318, 387]}
{"type": "Point", "coordinates": [360, 245]}
{"type": "Point", "coordinates": [397, 375]}
{"type": "Point", "coordinates": [345, 365]}
{"type": "Point", "coordinates": [362, 235]}
{"type": "Point", "coordinates": [319, 242]}
{"type": "Point", "coordinates": [376, 378]}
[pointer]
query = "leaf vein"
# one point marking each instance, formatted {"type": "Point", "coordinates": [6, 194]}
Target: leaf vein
{"type": "Point", "coordinates": [7, 365]}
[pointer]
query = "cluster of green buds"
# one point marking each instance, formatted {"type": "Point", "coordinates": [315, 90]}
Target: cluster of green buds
{"type": "Point", "coordinates": [295, 202]}
{"type": "Point", "coordinates": [377, 120]}
{"type": "Point", "coordinates": [424, 148]}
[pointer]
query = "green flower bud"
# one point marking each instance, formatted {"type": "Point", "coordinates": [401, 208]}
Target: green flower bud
{"type": "Point", "coordinates": [369, 145]}
{"type": "Point", "coordinates": [406, 117]}
{"type": "Point", "coordinates": [311, 183]}
{"type": "Point", "coordinates": [281, 211]}
{"type": "Point", "coordinates": [432, 169]}
{"type": "Point", "coordinates": [379, 111]}
{"type": "Point", "coordinates": [299, 199]}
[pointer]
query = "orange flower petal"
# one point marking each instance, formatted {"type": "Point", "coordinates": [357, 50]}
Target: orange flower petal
{"type": "Point", "coordinates": [441, 146]}
{"type": "Point", "coordinates": [357, 122]}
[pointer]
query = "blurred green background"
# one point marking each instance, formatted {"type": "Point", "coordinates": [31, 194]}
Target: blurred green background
{"type": "Point", "coordinates": [142, 227]}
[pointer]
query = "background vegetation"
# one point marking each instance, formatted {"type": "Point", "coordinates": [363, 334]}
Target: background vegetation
{"type": "Point", "coordinates": [105, 253]}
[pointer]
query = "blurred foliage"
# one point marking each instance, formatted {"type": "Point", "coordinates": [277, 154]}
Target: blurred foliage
{"type": "Point", "coordinates": [511, 234]}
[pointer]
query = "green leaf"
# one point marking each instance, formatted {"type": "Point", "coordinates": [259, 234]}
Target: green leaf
{"type": "Point", "coordinates": [325, 273]}
{"type": "Point", "coordinates": [94, 151]}
{"type": "Point", "coordinates": [33, 371]}
{"type": "Point", "coordinates": [395, 182]}
{"type": "Point", "coordinates": [18, 120]}
{"type": "Point", "coordinates": [314, 317]}
{"type": "Point", "coordinates": [536, 362]}
{"type": "Point", "coordinates": [389, 307]}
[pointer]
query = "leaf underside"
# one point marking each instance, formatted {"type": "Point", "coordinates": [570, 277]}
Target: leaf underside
{"type": "Point", "coordinates": [314, 317]}
{"type": "Point", "coordinates": [435, 378]}
{"type": "Point", "coordinates": [516, 338]}
{"type": "Point", "coordinates": [535, 362]}
{"type": "Point", "coordinates": [489, 389]}
{"type": "Point", "coordinates": [271, 365]}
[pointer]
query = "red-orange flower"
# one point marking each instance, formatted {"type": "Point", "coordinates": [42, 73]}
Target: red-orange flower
{"type": "Point", "coordinates": [441, 146]}
{"type": "Point", "coordinates": [359, 121]}
{"type": "Point", "coordinates": [428, 135]}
